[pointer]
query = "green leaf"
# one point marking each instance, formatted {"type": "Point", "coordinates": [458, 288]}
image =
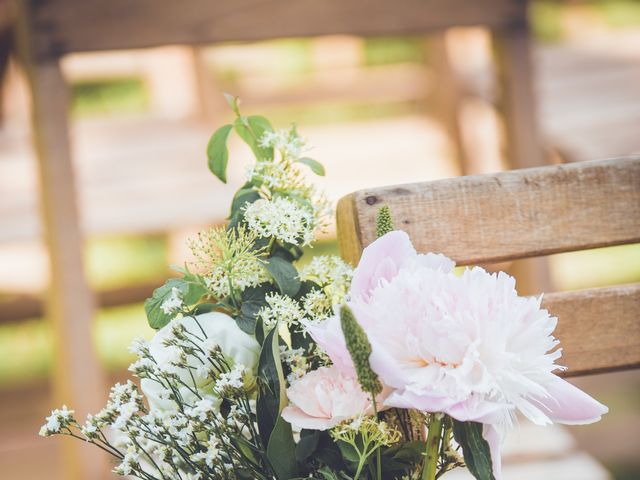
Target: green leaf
{"type": "Point", "coordinates": [281, 450]}
{"type": "Point", "coordinates": [272, 387]}
{"type": "Point", "coordinates": [251, 129]}
{"type": "Point", "coordinates": [285, 275]}
{"type": "Point", "coordinates": [153, 305]}
{"type": "Point", "coordinates": [475, 448]}
{"type": "Point", "coordinates": [218, 153]}
{"type": "Point", "coordinates": [242, 197]}
{"type": "Point", "coordinates": [233, 102]}
{"type": "Point", "coordinates": [191, 290]}
{"type": "Point", "coordinates": [308, 443]}
{"type": "Point", "coordinates": [315, 166]}
{"type": "Point", "coordinates": [253, 299]}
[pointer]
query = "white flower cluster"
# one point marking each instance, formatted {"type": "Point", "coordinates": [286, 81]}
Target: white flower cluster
{"type": "Point", "coordinates": [286, 141]}
{"type": "Point", "coordinates": [280, 308]}
{"type": "Point", "coordinates": [186, 370]}
{"type": "Point", "coordinates": [230, 260]}
{"type": "Point", "coordinates": [332, 274]}
{"type": "Point", "coordinates": [285, 219]}
{"type": "Point", "coordinates": [59, 420]}
{"type": "Point", "coordinates": [173, 303]}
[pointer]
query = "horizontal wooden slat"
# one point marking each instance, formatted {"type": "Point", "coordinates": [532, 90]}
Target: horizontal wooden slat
{"type": "Point", "coordinates": [63, 26]}
{"type": "Point", "coordinates": [507, 215]}
{"type": "Point", "coordinates": [598, 329]}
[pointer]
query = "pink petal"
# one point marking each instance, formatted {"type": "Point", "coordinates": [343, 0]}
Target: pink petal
{"type": "Point", "coordinates": [494, 439]}
{"type": "Point", "coordinates": [328, 335]}
{"type": "Point", "coordinates": [570, 405]}
{"type": "Point", "coordinates": [411, 400]}
{"type": "Point", "coordinates": [381, 260]}
{"type": "Point", "coordinates": [298, 419]}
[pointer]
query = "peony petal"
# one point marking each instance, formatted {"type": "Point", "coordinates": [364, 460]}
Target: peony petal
{"type": "Point", "coordinates": [483, 411]}
{"type": "Point", "coordinates": [299, 420]}
{"type": "Point", "coordinates": [328, 335]}
{"type": "Point", "coordinates": [494, 439]}
{"type": "Point", "coordinates": [568, 404]}
{"type": "Point", "coordinates": [381, 260]}
{"type": "Point", "coordinates": [411, 400]}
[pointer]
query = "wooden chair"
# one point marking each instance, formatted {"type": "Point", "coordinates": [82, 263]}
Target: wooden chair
{"type": "Point", "coordinates": [525, 213]}
{"type": "Point", "coordinates": [46, 31]}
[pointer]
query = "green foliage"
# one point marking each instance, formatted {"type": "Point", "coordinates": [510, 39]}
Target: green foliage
{"type": "Point", "coordinates": [274, 431]}
{"type": "Point", "coordinates": [191, 290]}
{"type": "Point", "coordinates": [285, 275]}
{"type": "Point", "coordinates": [360, 350]}
{"type": "Point", "coordinates": [384, 221]}
{"type": "Point", "coordinates": [281, 450]}
{"type": "Point", "coordinates": [402, 458]}
{"type": "Point", "coordinates": [251, 129]}
{"type": "Point", "coordinates": [315, 166]}
{"type": "Point", "coordinates": [253, 299]}
{"type": "Point", "coordinates": [218, 153]}
{"type": "Point", "coordinates": [272, 387]}
{"type": "Point", "coordinates": [475, 448]}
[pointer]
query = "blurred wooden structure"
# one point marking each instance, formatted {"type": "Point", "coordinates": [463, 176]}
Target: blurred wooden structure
{"type": "Point", "coordinates": [46, 31]}
{"type": "Point", "coordinates": [484, 219]}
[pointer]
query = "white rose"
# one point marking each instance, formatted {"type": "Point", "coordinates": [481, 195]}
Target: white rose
{"type": "Point", "coordinates": [238, 348]}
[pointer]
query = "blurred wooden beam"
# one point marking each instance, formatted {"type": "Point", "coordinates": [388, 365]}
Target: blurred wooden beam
{"type": "Point", "coordinates": [23, 307]}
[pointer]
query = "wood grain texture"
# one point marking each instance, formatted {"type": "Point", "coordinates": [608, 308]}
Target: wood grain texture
{"type": "Point", "coordinates": [507, 215]}
{"type": "Point", "coordinates": [598, 329]}
{"type": "Point", "coordinates": [64, 26]}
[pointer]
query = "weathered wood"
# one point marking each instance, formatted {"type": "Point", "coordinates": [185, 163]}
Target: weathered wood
{"type": "Point", "coordinates": [78, 377]}
{"type": "Point", "coordinates": [507, 215]}
{"type": "Point", "coordinates": [598, 329]}
{"type": "Point", "coordinates": [64, 26]}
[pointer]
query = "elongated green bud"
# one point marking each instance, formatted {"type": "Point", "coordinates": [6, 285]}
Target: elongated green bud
{"type": "Point", "coordinates": [384, 222]}
{"type": "Point", "coordinates": [360, 350]}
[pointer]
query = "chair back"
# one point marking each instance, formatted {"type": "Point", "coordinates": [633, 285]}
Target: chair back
{"type": "Point", "coordinates": [526, 213]}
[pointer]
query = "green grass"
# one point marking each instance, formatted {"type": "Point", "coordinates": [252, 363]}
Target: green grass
{"type": "Point", "coordinates": [117, 261]}
{"type": "Point", "coordinates": [109, 97]}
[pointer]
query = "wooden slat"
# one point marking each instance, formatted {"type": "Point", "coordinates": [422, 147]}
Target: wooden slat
{"type": "Point", "coordinates": [64, 26]}
{"type": "Point", "coordinates": [507, 215]}
{"type": "Point", "coordinates": [598, 329]}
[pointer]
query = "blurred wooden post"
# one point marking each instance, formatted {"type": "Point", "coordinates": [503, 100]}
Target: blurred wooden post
{"type": "Point", "coordinates": [447, 97]}
{"type": "Point", "coordinates": [78, 378]}
{"type": "Point", "coordinates": [523, 142]}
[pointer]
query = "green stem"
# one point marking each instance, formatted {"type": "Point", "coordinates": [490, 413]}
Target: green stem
{"type": "Point", "coordinates": [430, 466]}
{"type": "Point", "coordinates": [378, 456]}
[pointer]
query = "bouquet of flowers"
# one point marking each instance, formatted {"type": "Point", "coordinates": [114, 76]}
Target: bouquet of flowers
{"type": "Point", "coordinates": [401, 368]}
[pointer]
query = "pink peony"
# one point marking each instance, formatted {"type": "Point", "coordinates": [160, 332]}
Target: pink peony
{"type": "Point", "coordinates": [466, 345]}
{"type": "Point", "coordinates": [323, 398]}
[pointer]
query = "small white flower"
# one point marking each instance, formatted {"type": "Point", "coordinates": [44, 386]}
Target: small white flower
{"type": "Point", "coordinates": [286, 220]}
{"type": "Point", "coordinates": [287, 141]}
{"type": "Point", "coordinates": [173, 303]}
{"type": "Point", "coordinates": [58, 420]}
{"type": "Point", "coordinates": [280, 308]}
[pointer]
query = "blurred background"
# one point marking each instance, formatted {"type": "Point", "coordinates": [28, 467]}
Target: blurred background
{"type": "Point", "coordinates": [375, 109]}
